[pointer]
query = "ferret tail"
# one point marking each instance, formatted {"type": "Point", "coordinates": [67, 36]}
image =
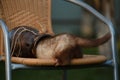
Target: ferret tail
{"type": "Point", "coordinates": [94, 42]}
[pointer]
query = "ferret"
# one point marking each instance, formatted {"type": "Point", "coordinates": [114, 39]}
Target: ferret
{"type": "Point", "coordinates": [64, 47]}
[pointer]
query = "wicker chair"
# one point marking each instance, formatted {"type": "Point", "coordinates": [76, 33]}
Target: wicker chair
{"type": "Point", "coordinates": [37, 13]}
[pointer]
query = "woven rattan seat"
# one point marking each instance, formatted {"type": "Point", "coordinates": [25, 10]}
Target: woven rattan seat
{"type": "Point", "coordinates": [36, 13]}
{"type": "Point", "coordinates": [86, 60]}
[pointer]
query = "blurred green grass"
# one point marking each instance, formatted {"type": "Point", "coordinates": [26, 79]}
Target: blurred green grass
{"type": "Point", "coordinates": [75, 74]}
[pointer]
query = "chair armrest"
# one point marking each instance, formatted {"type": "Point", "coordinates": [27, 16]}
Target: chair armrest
{"type": "Point", "coordinates": [7, 48]}
{"type": "Point", "coordinates": [110, 26]}
{"type": "Point", "coordinates": [6, 37]}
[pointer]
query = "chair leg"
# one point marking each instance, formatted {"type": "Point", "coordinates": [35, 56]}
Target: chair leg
{"type": "Point", "coordinates": [64, 77]}
{"type": "Point", "coordinates": [8, 72]}
{"type": "Point", "coordinates": [116, 72]}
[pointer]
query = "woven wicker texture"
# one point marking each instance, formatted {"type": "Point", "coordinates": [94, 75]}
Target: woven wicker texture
{"type": "Point", "coordinates": [87, 59]}
{"type": "Point", "coordinates": [35, 13]}
{"type": "Point", "coordinates": [1, 35]}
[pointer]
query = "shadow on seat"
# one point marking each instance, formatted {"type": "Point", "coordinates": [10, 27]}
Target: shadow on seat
{"type": "Point", "coordinates": [37, 13]}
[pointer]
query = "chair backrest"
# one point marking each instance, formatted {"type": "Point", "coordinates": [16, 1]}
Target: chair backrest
{"type": "Point", "coordinates": [34, 13]}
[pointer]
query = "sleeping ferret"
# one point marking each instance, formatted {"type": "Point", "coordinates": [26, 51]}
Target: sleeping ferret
{"type": "Point", "coordinates": [64, 47]}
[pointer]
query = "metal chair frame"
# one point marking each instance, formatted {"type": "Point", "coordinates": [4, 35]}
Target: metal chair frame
{"type": "Point", "coordinates": [114, 62]}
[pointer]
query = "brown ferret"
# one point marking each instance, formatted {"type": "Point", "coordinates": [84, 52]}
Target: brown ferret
{"type": "Point", "coordinates": [64, 47]}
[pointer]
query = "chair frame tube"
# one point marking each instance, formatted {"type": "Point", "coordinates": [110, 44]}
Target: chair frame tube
{"type": "Point", "coordinates": [112, 31]}
{"type": "Point", "coordinates": [7, 50]}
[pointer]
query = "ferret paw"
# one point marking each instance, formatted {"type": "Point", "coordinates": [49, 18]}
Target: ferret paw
{"type": "Point", "coordinates": [59, 62]}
